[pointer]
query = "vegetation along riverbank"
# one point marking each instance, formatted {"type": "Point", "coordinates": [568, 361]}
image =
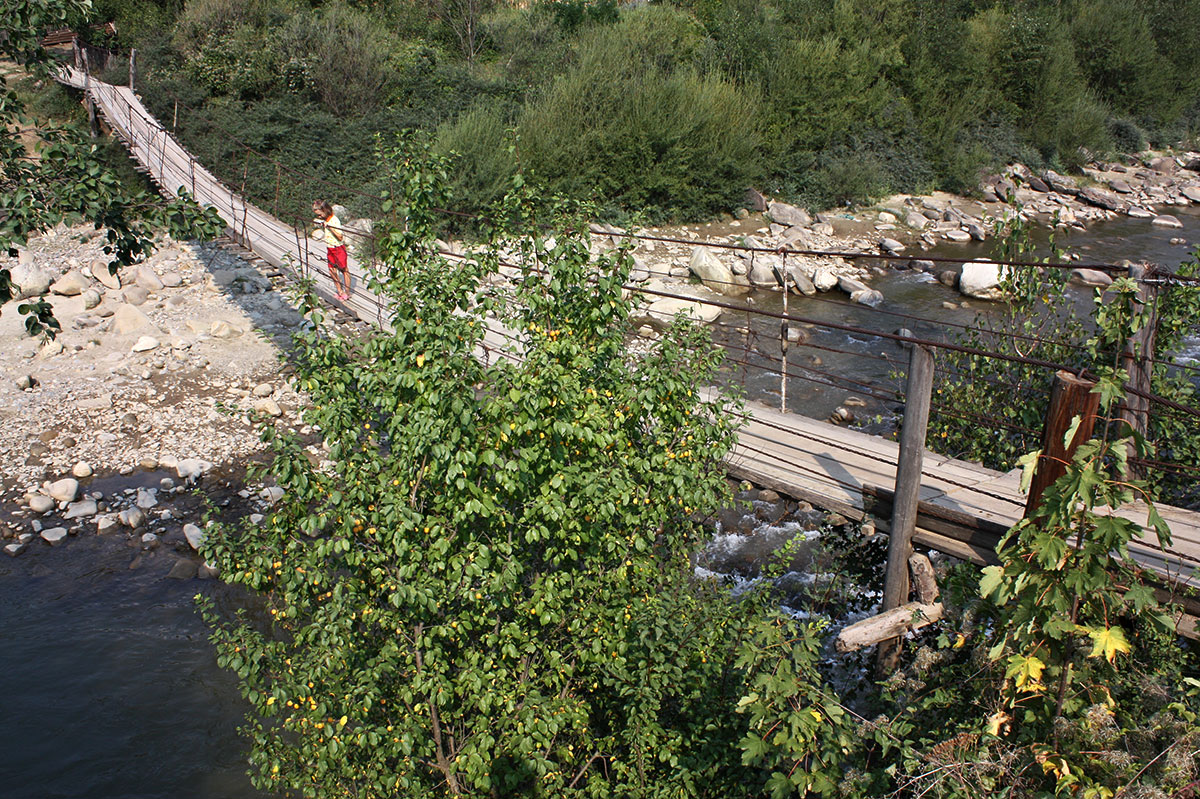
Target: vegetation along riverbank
{"type": "Point", "coordinates": [482, 577]}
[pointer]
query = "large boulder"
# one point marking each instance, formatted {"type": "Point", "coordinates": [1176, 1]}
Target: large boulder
{"type": "Point", "coordinates": [29, 280]}
{"type": "Point", "coordinates": [1061, 183]}
{"type": "Point", "coordinates": [824, 279]}
{"type": "Point", "coordinates": [72, 284]}
{"type": "Point", "coordinates": [1167, 221]}
{"type": "Point", "coordinates": [661, 313]}
{"type": "Point", "coordinates": [106, 278]}
{"type": "Point", "coordinates": [715, 274]}
{"type": "Point", "coordinates": [1100, 198]}
{"type": "Point", "coordinates": [129, 319]}
{"type": "Point", "coordinates": [1191, 192]}
{"type": "Point", "coordinates": [788, 215]}
{"type": "Point", "coordinates": [981, 279]}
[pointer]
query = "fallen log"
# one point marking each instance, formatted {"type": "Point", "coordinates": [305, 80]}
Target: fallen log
{"type": "Point", "coordinates": [889, 624]}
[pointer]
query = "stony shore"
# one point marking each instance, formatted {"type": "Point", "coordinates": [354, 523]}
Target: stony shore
{"type": "Point", "coordinates": [148, 391]}
{"type": "Point", "coordinates": [900, 227]}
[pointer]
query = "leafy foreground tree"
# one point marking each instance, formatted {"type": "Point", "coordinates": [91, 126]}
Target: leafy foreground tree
{"type": "Point", "coordinates": [486, 590]}
{"type": "Point", "coordinates": [61, 178]}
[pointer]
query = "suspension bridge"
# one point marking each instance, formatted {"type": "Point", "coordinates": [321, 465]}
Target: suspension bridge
{"type": "Point", "coordinates": [961, 508]}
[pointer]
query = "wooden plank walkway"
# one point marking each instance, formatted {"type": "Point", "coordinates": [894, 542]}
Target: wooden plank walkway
{"type": "Point", "coordinates": [830, 466]}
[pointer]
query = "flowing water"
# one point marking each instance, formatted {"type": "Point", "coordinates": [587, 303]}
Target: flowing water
{"type": "Point", "coordinates": [112, 688]}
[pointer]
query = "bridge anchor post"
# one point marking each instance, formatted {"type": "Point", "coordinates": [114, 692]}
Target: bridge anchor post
{"type": "Point", "coordinates": [918, 396]}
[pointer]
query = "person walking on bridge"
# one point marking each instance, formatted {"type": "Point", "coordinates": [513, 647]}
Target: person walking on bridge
{"type": "Point", "coordinates": [335, 243]}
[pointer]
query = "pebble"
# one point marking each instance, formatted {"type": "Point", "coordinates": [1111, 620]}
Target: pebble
{"type": "Point", "coordinates": [26, 382]}
{"type": "Point", "coordinates": [107, 523]}
{"type": "Point", "coordinates": [149, 540]}
{"type": "Point", "coordinates": [264, 390]}
{"type": "Point", "coordinates": [12, 550]}
{"type": "Point", "coordinates": [82, 470]}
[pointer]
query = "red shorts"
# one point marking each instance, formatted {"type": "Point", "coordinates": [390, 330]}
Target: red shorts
{"type": "Point", "coordinates": [337, 257]}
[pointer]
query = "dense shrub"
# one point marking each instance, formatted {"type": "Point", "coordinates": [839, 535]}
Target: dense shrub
{"type": "Point", "coordinates": [634, 126]}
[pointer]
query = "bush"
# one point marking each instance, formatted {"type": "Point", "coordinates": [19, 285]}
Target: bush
{"type": "Point", "coordinates": [635, 127]}
{"type": "Point", "coordinates": [1126, 136]}
{"type": "Point", "coordinates": [484, 164]}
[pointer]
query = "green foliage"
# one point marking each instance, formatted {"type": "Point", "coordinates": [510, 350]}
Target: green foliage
{"type": "Point", "coordinates": [633, 127]}
{"type": "Point", "coordinates": [486, 590]}
{"type": "Point", "coordinates": [69, 181]}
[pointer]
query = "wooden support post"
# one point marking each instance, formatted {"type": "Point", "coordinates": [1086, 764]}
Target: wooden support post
{"type": "Point", "coordinates": [1071, 396]}
{"type": "Point", "coordinates": [93, 124]}
{"type": "Point", "coordinates": [132, 67]}
{"type": "Point", "coordinates": [76, 58]}
{"type": "Point", "coordinates": [1137, 355]}
{"type": "Point", "coordinates": [782, 277]}
{"type": "Point", "coordinates": [917, 397]}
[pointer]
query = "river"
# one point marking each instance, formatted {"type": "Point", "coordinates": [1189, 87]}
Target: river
{"type": "Point", "coordinates": [113, 688]}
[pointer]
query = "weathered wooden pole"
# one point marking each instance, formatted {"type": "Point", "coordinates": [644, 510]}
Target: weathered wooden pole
{"type": "Point", "coordinates": [1071, 396]}
{"type": "Point", "coordinates": [76, 59]}
{"type": "Point", "coordinates": [1137, 355]}
{"type": "Point", "coordinates": [132, 67]}
{"type": "Point", "coordinates": [918, 395]}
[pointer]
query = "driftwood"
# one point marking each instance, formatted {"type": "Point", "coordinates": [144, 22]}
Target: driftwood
{"type": "Point", "coordinates": [889, 624]}
{"type": "Point", "coordinates": [924, 581]}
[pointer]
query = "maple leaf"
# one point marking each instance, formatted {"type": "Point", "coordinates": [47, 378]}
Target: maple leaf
{"type": "Point", "coordinates": [1108, 641]}
{"type": "Point", "coordinates": [1026, 671]}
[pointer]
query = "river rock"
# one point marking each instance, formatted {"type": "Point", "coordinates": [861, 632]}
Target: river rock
{"type": "Point", "coordinates": [1090, 277]}
{"type": "Point", "coordinates": [976, 231]}
{"type": "Point", "coordinates": [183, 569]}
{"type": "Point", "coordinates": [915, 220]}
{"type": "Point", "coordinates": [1120, 186]}
{"type": "Point", "coordinates": [1060, 183]}
{"type": "Point", "coordinates": [223, 329]}
{"type": "Point", "coordinates": [867, 296]}
{"type": "Point", "coordinates": [54, 536]}
{"type": "Point", "coordinates": [40, 503]}
{"type": "Point", "coordinates": [1191, 192]}
{"type": "Point", "coordinates": [109, 280]}
{"type": "Point", "coordinates": [788, 215]}
{"type": "Point", "coordinates": [148, 279]}
{"type": "Point", "coordinates": [1164, 164]}
{"type": "Point", "coordinates": [128, 319]}
{"type": "Point", "coordinates": [661, 313]}
{"type": "Point", "coordinates": [145, 344]}
{"type": "Point", "coordinates": [194, 534]}
{"type": "Point", "coordinates": [64, 490]}
{"type": "Point", "coordinates": [82, 509]}
{"type": "Point", "coordinates": [107, 523]}
{"type": "Point", "coordinates": [850, 285]}
{"type": "Point", "coordinates": [172, 280]}
{"type": "Point", "coordinates": [149, 540]}
{"type": "Point", "coordinates": [1037, 184]}
{"type": "Point", "coordinates": [1139, 213]}
{"type": "Point", "coordinates": [82, 470]}
{"type": "Point", "coordinates": [715, 274]}
{"type": "Point", "coordinates": [891, 246]}
{"type": "Point", "coordinates": [135, 295]}
{"type": "Point", "coordinates": [72, 284]}
{"type": "Point", "coordinates": [801, 283]}
{"type": "Point", "coordinates": [268, 406]}
{"type": "Point", "coordinates": [824, 279]}
{"type": "Point", "coordinates": [33, 281]}
{"type": "Point", "coordinates": [192, 469]}
{"type": "Point", "coordinates": [146, 498]}
{"type": "Point", "coordinates": [981, 279]}
{"type": "Point", "coordinates": [264, 390]}
{"type": "Point", "coordinates": [132, 518]}
{"type": "Point", "coordinates": [91, 298]}
{"type": "Point", "coordinates": [1167, 221]}
{"type": "Point", "coordinates": [1100, 198]}
{"type": "Point", "coordinates": [14, 549]}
